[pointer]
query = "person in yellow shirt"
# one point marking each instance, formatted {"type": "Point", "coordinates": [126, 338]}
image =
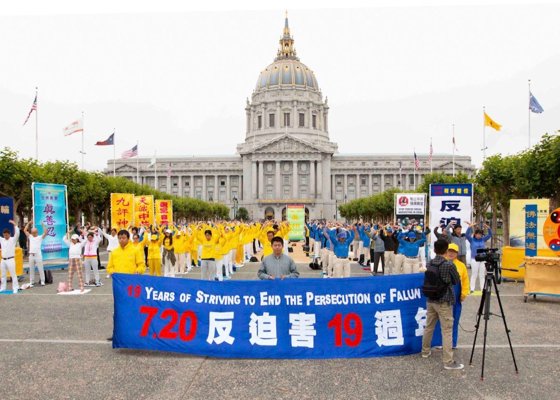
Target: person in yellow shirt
{"type": "Point", "coordinates": [125, 259]}
{"type": "Point", "coordinates": [139, 244]}
{"type": "Point", "coordinates": [226, 252]}
{"type": "Point", "coordinates": [461, 293]}
{"type": "Point", "coordinates": [154, 255]}
{"type": "Point", "coordinates": [208, 239]}
{"type": "Point", "coordinates": [265, 237]}
{"type": "Point", "coordinates": [180, 244]}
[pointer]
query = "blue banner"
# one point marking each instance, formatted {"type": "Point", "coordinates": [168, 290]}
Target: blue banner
{"type": "Point", "coordinates": [531, 223]}
{"type": "Point", "coordinates": [6, 214]}
{"type": "Point", "coordinates": [291, 318]}
{"type": "Point", "coordinates": [49, 207]}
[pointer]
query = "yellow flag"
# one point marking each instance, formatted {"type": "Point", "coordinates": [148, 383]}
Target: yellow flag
{"type": "Point", "coordinates": [489, 122]}
{"type": "Point", "coordinates": [122, 210]}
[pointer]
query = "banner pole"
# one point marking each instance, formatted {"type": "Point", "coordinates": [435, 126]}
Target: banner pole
{"type": "Point", "coordinates": [137, 170]}
{"type": "Point", "coordinates": [483, 133]}
{"type": "Point", "coordinates": [114, 156]}
{"type": "Point", "coordinates": [454, 150]}
{"type": "Point", "coordinates": [83, 154]}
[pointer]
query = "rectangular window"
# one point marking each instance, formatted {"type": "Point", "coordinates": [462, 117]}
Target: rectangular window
{"type": "Point", "coordinates": [198, 181]}
{"type": "Point", "coordinates": [411, 179]}
{"type": "Point", "coordinates": [363, 181]}
{"type": "Point", "coordinates": [339, 195]}
{"type": "Point", "coordinates": [187, 193]}
{"type": "Point", "coordinates": [234, 194]}
{"type": "Point", "coordinates": [287, 119]}
{"type": "Point", "coordinates": [301, 120]}
{"type": "Point", "coordinates": [174, 184]}
{"type": "Point", "coordinates": [269, 194]}
{"type": "Point", "coordinates": [222, 195]}
{"type": "Point", "coordinates": [286, 193]}
{"type": "Point", "coordinates": [259, 121]}
{"type": "Point", "coordinates": [163, 183]}
{"type": "Point", "coordinates": [363, 193]}
{"type": "Point", "coordinates": [303, 193]}
{"type": "Point", "coordinates": [269, 180]}
{"type": "Point", "coordinates": [350, 180]}
{"type": "Point", "coordinates": [314, 122]}
{"type": "Point", "coordinates": [339, 182]}
{"type": "Point", "coordinates": [304, 180]}
{"type": "Point", "coordinates": [198, 194]}
{"type": "Point", "coordinates": [187, 184]}
{"type": "Point", "coordinates": [351, 194]}
{"type": "Point", "coordinates": [286, 180]}
{"type": "Point", "coordinates": [376, 180]}
{"type": "Point", "coordinates": [234, 181]}
{"type": "Point", "coordinates": [271, 120]}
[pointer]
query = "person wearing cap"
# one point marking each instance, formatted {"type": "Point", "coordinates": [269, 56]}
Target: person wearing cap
{"type": "Point", "coordinates": [75, 247]}
{"type": "Point", "coordinates": [8, 244]}
{"type": "Point", "coordinates": [461, 290]}
{"type": "Point", "coordinates": [341, 242]}
{"type": "Point", "coordinates": [410, 250]}
{"type": "Point", "coordinates": [391, 245]}
{"type": "Point", "coordinates": [478, 241]}
{"type": "Point", "coordinates": [90, 257]}
{"type": "Point", "coordinates": [154, 254]}
{"type": "Point", "coordinates": [35, 254]}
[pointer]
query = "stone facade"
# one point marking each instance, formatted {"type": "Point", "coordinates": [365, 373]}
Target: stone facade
{"type": "Point", "coordinates": [287, 156]}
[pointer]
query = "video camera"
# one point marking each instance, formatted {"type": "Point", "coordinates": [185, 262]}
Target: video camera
{"type": "Point", "coordinates": [488, 256]}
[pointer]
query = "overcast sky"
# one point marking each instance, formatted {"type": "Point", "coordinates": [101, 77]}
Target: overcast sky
{"type": "Point", "coordinates": [176, 78]}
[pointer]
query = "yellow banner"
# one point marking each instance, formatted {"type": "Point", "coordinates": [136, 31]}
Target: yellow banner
{"type": "Point", "coordinates": [164, 212]}
{"type": "Point", "coordinates": [122, 210]}
{"type": "Point", "coordinates": [517, 221]}
{"type": "Point", "coordinates": [489, 122]}
{"type": "Point", "coordinates": [143, 210]}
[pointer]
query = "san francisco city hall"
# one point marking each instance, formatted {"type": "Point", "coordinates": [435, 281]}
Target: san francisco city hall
{"type": "Point", "coordinates": [287, 156]}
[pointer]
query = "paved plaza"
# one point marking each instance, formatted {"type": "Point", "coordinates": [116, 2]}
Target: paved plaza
{"type": "Point", "coordinates": [55, 347]}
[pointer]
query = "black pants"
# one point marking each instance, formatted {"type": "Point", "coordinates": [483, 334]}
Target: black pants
{"type": "Point", "coordinates": [307, 240]}
{"type": "Point", "coordinates": [371, 253]}
{"type": "Point", "coordinates": [376, 257]}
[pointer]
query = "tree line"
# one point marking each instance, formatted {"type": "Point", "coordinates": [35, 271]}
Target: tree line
{"type": "Point", "coordinates": [88, 192]}
{"type": "Point", "coordinates": [530, 174]}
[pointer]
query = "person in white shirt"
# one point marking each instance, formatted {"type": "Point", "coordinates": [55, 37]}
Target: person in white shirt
{"type": "Point", "coordinates": [35, 254]}
{"type": "Point", "coordinates": [8, 244]}
{"type": "Point", "coordinates": [112, 239]}
{"type": "Point", "coordinates": [75, 263]}
{"type": "Point", "coordinates": [90, 257]}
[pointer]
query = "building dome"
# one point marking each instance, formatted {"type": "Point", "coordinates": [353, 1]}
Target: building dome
{"type": "Point", "coordinates": [287, 72]}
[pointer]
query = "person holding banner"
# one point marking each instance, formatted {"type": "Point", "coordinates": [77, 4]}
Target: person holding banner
{"type": "Point", "coordinates": [477, 242]}
{"type": "Point", "coordinates": [8, 244]}
{"type": "Point", "coordinates": [35, 254]}
{"type": "Point", "coordinates": [75, 247]}
{"type": "Point", "coordinates": [278, 264]}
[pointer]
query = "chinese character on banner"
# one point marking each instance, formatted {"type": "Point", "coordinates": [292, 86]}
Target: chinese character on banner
{"type": "Point", "coordinates": [122, 210]}
{"type": "Point", "coordinates": [302, 330]}
{"type": "Point", "coordinates": [220, 323]}
{"type": "Point", "coordinates": [164, 212]}
{"type": "Point", "coordinates": [263, 329]}
{"type": "Point", "coordinates": [388, 328]}
{"type": "Point", "coordinates": [143, 210]}
{"type": "Point", "coordinates": [421, 321]}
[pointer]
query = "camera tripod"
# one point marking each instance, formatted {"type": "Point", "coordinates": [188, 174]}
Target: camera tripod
{"type": "Point", "coordinates": [485, 308]}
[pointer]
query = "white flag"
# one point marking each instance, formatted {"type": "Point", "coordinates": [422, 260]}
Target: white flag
{"type": "Point", "coordinates": [152, 161]}
{"type": "Point", "coordinates": [76, 126]}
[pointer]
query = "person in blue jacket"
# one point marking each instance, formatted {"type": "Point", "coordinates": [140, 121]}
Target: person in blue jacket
{"type": "Point", "coordinates": [341, 242]}
{"type": "Point", "coordinates": [364, 231]}
{"type": "Point", "coordinates": [410, 250]}
{"type": "Point", "coordinates": [478, 241]}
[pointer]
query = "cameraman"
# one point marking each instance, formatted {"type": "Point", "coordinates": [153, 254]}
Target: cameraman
{"type": "Point", "coordinates": [477, 242]}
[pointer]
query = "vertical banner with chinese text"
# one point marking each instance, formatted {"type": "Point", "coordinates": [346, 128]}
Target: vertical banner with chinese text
{"type": "Point", "coordinates": [291, 318]}
{"type": "Point", "coordinates": [122, 210]}
{"type": "Point", "coordinates": [164, 212]}
{"type": "Point", "coordinates": [6, 214]}
{"type": "Point", "coordinates": [50, 208]}
{"type": "Point", "coordinates": [531, 229]}
{"type": "Point", "coordinates": [450, 202]}
{"type": "Point", "coordinates": [517, 221]}
{"type": "Point", "coordinates": [295, 214]}
{"type": "Point", "coordinates": [143, 210]}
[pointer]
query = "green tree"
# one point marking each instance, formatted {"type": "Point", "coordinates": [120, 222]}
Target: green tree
{"type": "Point", "coordinates": [243, 213]}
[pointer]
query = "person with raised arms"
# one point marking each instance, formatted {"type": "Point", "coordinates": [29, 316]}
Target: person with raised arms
{"type": "Point", "coordinates": [35, 253]}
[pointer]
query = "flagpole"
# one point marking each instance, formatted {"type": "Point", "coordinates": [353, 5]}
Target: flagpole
{"type": "Point", "coordinates": [453, 150]}
{"type": "Point", "coordinates": [36, 125]}
{"type": "Point", "coordinates": [155, 170]}
{"type": "Point", "coordinates": [415, 170]}
{"type": "Point", "coordinates": [483, 133]}
{"type": "Point", "coordinates": [83, 154]}
{"type": "Point", "coordinates": [529, 115]}
{"type": "Point", "coordinates": [114, 156]}
{"type": "Point", "coordinates": [137, 170]}
{"type": "Point", "coordinates": [431, 168]}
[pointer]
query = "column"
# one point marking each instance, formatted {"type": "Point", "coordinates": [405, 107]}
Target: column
{"type": "Point", "coordinates": [295, 194]}
{"type": "Point", "coordinates": [312, 179]}
{"type": "Point", "coordinates": [333, 187]}
{"type": "Point", "coordinates": [344, 186]}
{"type": "Point", "coordinates": [278, 179]}
{"type": "Point", "coordinates": [216, 188]}
{"type": "Point", "coordinates": [180, 185]}
{"type": "Point", "coordinates": [320, 180]}
{"type": "Point", "coordinates": [261, 180]}
{"type": "Point", "coordinates": [369, 182]}
{"type": "Point", "coordinates": [247, 180]}
{"type": "Point", "coordinates": [254, 180]}
{"type": "Point", "coordinates": [252, 122]}
{"type": "Point", "coordinates": [204, 197]}
{"type": "Point", "coordinates": [382, 183]}
{"type": "Point", "coordinates": [310, 116]}
{"type": "Point", "coordinates": [228, 189]}
{"type": "Point", "coordinates": [325, 179]}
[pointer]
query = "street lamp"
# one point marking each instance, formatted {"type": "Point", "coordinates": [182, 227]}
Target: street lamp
{"type": "Point", "coordinates": [235, 204]}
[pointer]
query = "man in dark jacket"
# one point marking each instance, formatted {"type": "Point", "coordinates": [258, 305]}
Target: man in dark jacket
{"type": "Point", "coordinates": [391, 247]}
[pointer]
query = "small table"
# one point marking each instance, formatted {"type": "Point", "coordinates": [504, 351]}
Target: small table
{"type": "Point", "coordinates": [542, 277]}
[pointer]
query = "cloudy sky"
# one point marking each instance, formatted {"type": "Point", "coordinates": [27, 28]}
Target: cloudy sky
{"type": "Point", "coordinates": [175, 78]}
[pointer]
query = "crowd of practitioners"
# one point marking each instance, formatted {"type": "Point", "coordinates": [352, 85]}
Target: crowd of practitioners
{"type": "Point", "coordinates": [221, 248]}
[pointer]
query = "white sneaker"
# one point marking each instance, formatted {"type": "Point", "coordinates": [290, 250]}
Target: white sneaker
{"type": "Point", "coordinates": [15, 291]}
{"type": "Point", "coordinates": [454, 365]}
{"type": "Point", "coordinates": [31, 285]}
{"type": "Point", "coordinates": [108, 276]}
{"type": "Point", "coordinates": [42, 283]}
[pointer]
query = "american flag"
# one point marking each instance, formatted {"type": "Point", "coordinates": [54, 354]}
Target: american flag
{"type": "Point", "coordinates": [431, 152]}
{"type": "Point", "coordinates": [169, 171]}
{"type": "Point", "coordinates": [416, 162]}
{"type": "Point", "coordinates": [33, 107]}
{"type": "Point", "coordinates": [130, 153]}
